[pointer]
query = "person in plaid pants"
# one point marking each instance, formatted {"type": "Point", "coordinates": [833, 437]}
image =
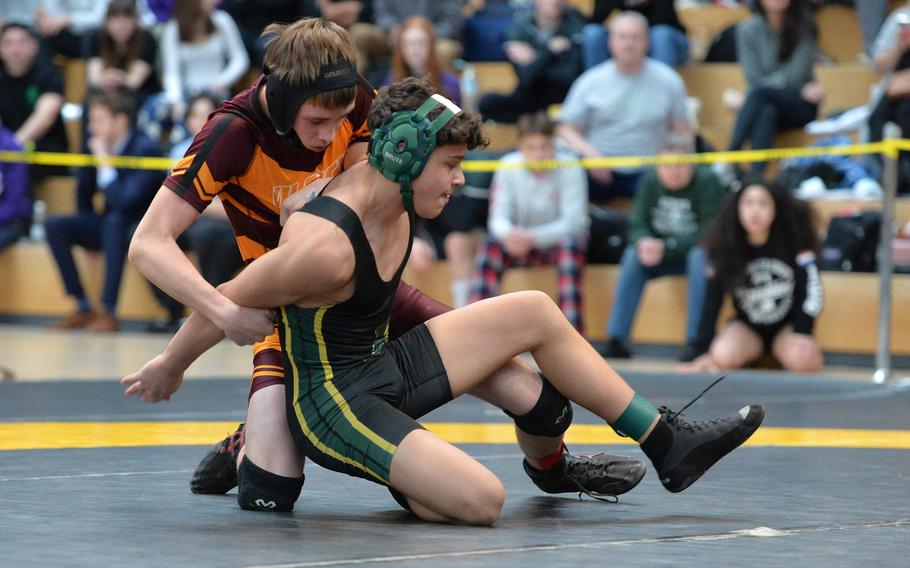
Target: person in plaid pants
{"type": "Point", "coordinates": [537, 217]}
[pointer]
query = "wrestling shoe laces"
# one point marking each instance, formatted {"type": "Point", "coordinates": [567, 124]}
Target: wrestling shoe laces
{"type": "Point", "coordinates": [686, 425]}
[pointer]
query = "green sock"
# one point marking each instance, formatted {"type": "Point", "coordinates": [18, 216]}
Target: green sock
{"type": "Point", "coordinates": [636, 418]}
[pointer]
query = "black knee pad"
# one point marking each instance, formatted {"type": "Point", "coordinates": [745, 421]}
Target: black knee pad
{"type": "Point", "coordinates": [550, 417]}
{"type": "Point", "coordinates": [260, 490]}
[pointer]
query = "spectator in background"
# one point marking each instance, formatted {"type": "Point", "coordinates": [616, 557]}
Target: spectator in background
{"type": "Point", "coordinates": [623, 107]}
{"type": "Point", "coordinates": [668, 40]}
{"type": "Point", "coordinates": [123, 53]}
{"type": "Point", "coordinates": [15, 204]}
{"type": "Point", "coordinates": [67, 25]}
{"type": "Point", "coordinates": [357, 18]}
{"type": "Point", "coordinates": [672, 207]}
{"type": "Point", "coordinates": [127, 193]}
{"type": "Point", "coordinates": [201, 51]}
{"type": "Point", "coordinates": [537, 217]}
{"type": "Point", "coordinates": [32, 96]}
{"type": "Point", "coordinates": [544, 47]}
{"type": "Point", "coordinates": [891, 55]}
{"type": "Point", "coordinates": [415, 56]}
{"type": "Point", "coordinates": [776, 49]}
{"type": "Point", "coordinates": [446, 17]}
{"type": "Point", "coordinates": [761, 246]}
{"type": "Point", "coordinates": [252, 17]}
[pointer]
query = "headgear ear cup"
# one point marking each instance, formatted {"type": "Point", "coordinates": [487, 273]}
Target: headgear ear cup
{"type": "Point", "coordinates": [401, 148]}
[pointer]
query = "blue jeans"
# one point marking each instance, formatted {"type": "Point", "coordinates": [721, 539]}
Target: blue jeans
{"type": "Point", "coordinates": [633, 277]}
{"type": "Point", "coordinates": [108, 233]}
{"type": "Point", "coordinates": [668, 45]}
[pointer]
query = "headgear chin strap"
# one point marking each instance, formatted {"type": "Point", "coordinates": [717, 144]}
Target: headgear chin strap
{"type": "Point", "coordinates": [401, 148]}
{"type": "Point", "coordinates": [285, 100]}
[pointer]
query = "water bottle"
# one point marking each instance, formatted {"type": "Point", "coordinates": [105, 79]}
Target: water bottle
{"type": "Point", "coordinates": [39, 213]}
{"type": "Point", "coordinates": [469, 94]}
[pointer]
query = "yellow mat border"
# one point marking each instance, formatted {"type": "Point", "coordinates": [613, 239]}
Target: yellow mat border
{"type": "Point", "coordinates": [57, 435]}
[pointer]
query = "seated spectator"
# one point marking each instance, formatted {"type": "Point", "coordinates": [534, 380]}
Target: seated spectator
{"type": "Point", "coordinates": [356, 16]}
{"type": "Point", "coordinates": [20, 12]}
{"type": "Point", "coordinates": [669, 43]}
{"type": "Point", "coordinates": [761, 246]}
{"type": "Point", "coordinates": [201, 51]}
{"type": "Point", "coordinates": [66, 25]}
{"type": "Point", "coordinates": [891, 55]}
{"type": "Point", "coordinates": [415, 56]}
{"type": "Point", "coordinates": [871, 14]}
{"type": "Point", "coordinates": [127, 193]}
{"type": "Point", "coordinates": [252, 17]}
{"type": "Point", "coordinates": [672, 206]}
{"type": "Point", "coordinates": [122, 53]}
{"type": "Point", "coordinates": [210, 236]}
{"type": "Point", "coordinates": [544, 47]}
{"type": "Point", "coordinates": [776, 48]}
{"type": "Point", "coordinates": [32, 96]}
{"type": "Point", "coordinates": [446, 18]}
{"type": "Point", "coordinates": [537, 217]}
{"type": "Point", "coordinates": [623, 107]}
{"type": "Point", "coordinates": [15, 204]}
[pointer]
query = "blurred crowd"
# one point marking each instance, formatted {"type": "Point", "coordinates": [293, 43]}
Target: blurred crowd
{"type": "Point", "coordinates": [603, 84]}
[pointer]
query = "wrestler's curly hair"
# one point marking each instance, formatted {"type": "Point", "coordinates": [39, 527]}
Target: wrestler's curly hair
{"type": "Point", "coordinates": [409, 94]}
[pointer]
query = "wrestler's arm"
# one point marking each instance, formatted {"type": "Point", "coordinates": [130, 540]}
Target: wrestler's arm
{"type": "Point", "coordinates": [314, 260]}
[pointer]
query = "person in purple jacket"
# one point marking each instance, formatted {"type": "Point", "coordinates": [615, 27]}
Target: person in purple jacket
{"type": "Point", "coordinates": [15, 203]}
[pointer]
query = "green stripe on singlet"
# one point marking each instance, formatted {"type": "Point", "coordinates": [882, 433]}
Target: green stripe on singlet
{"type": "Point", "coordinates": [312, 319]}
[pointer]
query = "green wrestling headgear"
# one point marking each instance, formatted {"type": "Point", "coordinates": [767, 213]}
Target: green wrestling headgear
{"type": "Point", "coordinates": [400, 148]}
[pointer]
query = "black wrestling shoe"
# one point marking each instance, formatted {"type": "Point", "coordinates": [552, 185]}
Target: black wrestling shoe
{"type": "Point", "coordinates": [682, 450]}
{"type": "Point", "coordinates": [216, 474]}
{"type": "Point", "coordinates": [602, 476]}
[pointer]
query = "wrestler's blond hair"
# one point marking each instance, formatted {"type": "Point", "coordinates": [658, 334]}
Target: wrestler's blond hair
{"type": "Point", "coordinates": [296, 52]}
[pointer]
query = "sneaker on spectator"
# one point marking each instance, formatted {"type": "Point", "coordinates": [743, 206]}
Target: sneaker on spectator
{"type": "Point", "coordinates": [77, 320]}
{"type": "Point", "coordinates": [616, 349]}
{"type": "Point", "coordinates": [104, 323]}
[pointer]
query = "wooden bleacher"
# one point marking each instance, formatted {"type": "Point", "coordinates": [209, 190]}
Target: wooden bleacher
{"type": "Point", "coordinates": [31, 286]}
{"type": "Point", "coordinates": [846, 85]}
{"type": "Point", "coordinates": [848, 323]}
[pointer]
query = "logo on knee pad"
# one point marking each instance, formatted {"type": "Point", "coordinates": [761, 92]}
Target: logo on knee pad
{"type": "Point", "coordinates": [263, 504]}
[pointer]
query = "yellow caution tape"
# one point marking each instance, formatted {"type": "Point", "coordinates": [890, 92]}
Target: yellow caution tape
{"type": "Point", "coordinates": [888, 147]}
{"type": "Point", "coordinates": [81, 160]}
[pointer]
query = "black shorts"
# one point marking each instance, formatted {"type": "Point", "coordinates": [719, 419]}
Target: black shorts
{"type": "Point", "coordinates": [767, 333]}
{"type": "Point", "coordinates": [354, 422]}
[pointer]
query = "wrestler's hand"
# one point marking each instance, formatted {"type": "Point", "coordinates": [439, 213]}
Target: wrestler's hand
{"type": "Point", "coordinates": [246, 326]}
{"type": "Point", "coordinates": [157, 380]}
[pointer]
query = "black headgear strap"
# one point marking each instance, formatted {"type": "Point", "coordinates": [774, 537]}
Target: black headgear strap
{"type": "Point", "coordinates": [284, 99]}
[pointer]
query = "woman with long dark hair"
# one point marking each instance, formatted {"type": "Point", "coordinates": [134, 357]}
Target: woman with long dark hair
{"type": "Point", "coordinates": [123, 53]}
{"type": "Point", "coordinates": [414, 55]}
{"type": "Point", "coordinates": [761, 246]}
{"type": "Point", "coordinates": [776, 48]}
